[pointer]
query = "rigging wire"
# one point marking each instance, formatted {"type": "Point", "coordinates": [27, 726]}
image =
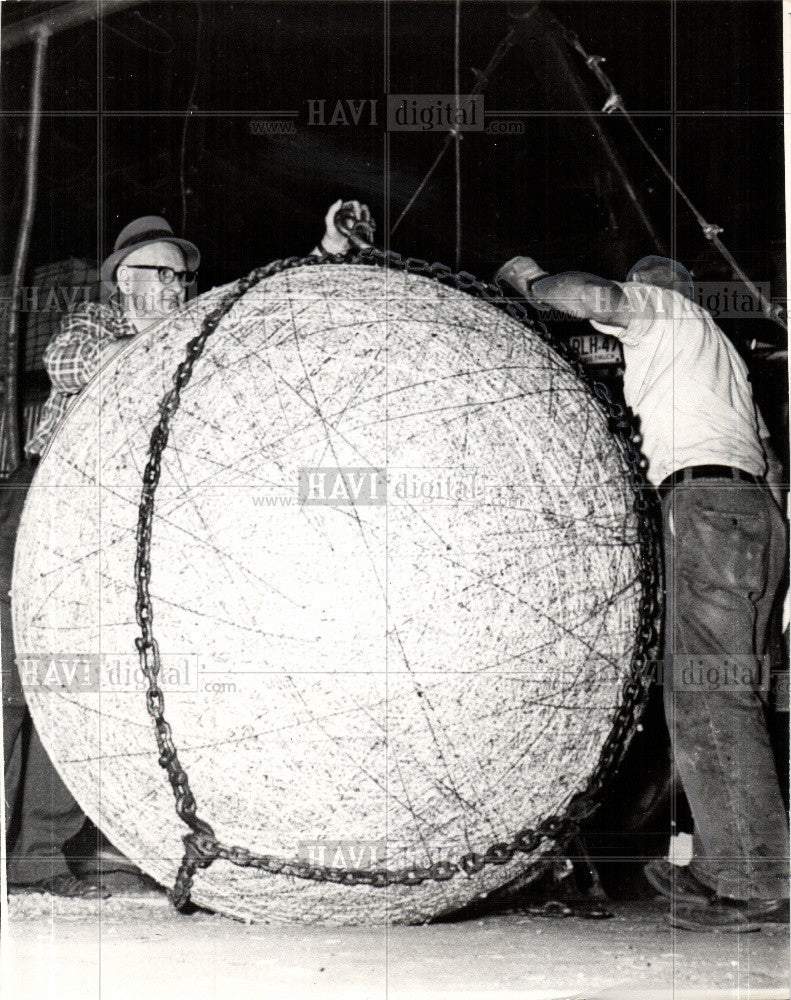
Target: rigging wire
{"type": "Point", "coordinates": [710, 230]}
{"type": "Point", "coordinates": [504, 46]}
{"type": "Point", "coordinates": [614, 102]}
{"type": "Point", "coordinates": [188, 114]}
{"type": "Point", "coordinates": [140, 45]}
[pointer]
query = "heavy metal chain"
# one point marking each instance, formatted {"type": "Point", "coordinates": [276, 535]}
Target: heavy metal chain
{"type": "Point", "coordinates": [201, 846]}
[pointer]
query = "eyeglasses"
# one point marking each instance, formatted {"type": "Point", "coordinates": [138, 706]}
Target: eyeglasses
{"type": "Point", "coordinates": [167, 274]}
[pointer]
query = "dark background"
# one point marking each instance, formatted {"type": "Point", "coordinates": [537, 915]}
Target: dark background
{"type": "Point", "coordinates": [703, 80]}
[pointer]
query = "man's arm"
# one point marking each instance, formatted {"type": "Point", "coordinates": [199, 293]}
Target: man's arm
{"type": "Point", "coordinates": [575, 293]}
{"type": "Point", "coordinates": [79, 348]}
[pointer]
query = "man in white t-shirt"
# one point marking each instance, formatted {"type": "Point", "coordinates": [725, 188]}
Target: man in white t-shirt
{"type": "Point", "coordinates": [725, 551]}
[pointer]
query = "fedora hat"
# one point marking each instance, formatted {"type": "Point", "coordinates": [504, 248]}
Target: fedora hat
{"type": "Point", "coordinates": [141, 232]}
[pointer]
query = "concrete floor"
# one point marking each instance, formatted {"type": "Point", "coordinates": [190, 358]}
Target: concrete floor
{"type": "Point", "coordinates": [142, 948]}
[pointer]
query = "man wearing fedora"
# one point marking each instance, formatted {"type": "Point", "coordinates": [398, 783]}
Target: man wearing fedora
{"type": "Point", "coordinates": [148, 273]}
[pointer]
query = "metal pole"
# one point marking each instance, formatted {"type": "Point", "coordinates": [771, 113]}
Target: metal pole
{"type": "Point", "coordinates": [67, 16]}
{"type": "Point", "coordinates": [20, 258]}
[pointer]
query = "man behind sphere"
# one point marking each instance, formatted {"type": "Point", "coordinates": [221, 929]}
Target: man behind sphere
{"type": "Point", "coordinates": [149, 272]}
{"type": "Point", "coordinates": [725, 552]}
{"type": "Point", "coordinates": [148, 275]}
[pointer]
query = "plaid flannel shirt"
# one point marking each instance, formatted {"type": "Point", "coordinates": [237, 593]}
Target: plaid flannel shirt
{"type": "Point", "coordinates": [74, 354]}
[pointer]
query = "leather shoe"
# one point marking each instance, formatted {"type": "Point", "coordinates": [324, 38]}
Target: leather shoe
{"type": "Point", "coordinates": [731, 915]}
{"type": "Point", "coordinates": [65, 885]}
{"type": "Point", "coordinates": [123, 883]}
{"type": "Point", "coordinates": [103, 861]}
{"type": "Point", "coordinates": [677, 882]}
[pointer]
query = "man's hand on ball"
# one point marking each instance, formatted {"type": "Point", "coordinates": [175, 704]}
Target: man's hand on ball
{"type": "Point", "coordinates": [521, 272]}
{"type": "Point", "coordinates": [334, 241]}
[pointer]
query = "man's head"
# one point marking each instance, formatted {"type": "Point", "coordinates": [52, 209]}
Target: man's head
{"type": "Point", "coordinates": [151, 267]}
{"type": "Point", "coordinates": [152, 279]}
{"type": "Point", "coordinates": [664, 273]}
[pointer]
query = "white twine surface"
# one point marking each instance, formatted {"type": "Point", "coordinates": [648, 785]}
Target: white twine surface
{"type": "Point", "coordinates": [396, 682]}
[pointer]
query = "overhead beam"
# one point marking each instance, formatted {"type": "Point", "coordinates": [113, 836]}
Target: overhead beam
{"type": "Point", "coordinates": [67, 15]}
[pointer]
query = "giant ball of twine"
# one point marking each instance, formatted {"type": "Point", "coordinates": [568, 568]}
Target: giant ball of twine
{"type": "Point", "coordinates": [394, 577]}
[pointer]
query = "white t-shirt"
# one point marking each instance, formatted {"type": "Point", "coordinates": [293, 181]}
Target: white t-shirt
{"type": "Point", "coordinates": [687, 384]}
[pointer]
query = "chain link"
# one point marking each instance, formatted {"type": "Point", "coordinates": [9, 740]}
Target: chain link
{"type": "Point", "coordinates": [201, 846]}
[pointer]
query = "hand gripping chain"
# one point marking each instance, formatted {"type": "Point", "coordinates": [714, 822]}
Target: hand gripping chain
{"type": "Point", "coordinates": [201, 846]}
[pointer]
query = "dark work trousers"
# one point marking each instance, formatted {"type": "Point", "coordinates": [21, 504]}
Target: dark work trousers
{"type": "Point", "coordinates": [725, 553]}
{"type": "Point", "coordinates": [41, 814]}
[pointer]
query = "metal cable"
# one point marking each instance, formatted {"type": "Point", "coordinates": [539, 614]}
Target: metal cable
{"type": "Point", "coordinates": [710, 230]}
{"type": "Point", "coordinates": [482, 78]}
{"type": "Point", "coordinates": [190, 108]}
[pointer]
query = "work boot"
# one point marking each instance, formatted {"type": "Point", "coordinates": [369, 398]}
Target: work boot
{"type": "Point", "coordinates": [64, 884]}
{"type": "Point", "coordinates": [736, 916]}
{"type": "Point", "coordinates": [676, 882]}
